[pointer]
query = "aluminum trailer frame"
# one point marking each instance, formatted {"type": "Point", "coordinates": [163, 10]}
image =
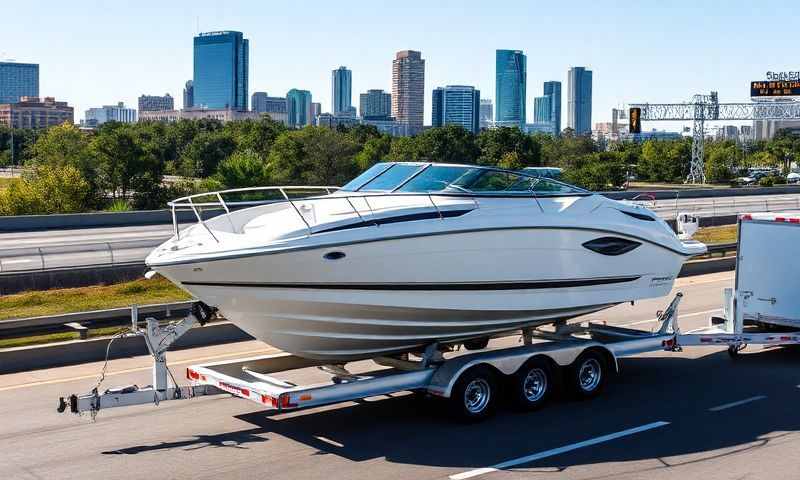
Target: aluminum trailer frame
{"type": "Point", "coordinates": [253, 378]}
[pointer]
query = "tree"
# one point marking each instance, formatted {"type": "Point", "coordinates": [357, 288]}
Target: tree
{"type": "Point", "coordinates": [64, 145]}
{"type": "Point", "coordinates": [123, 164]}
{"type": "Point", "coordinates": [207, 149]}
{"type": "Point", "coordinates": [312, 156]}
{"type": "Point", "coordinates": [375, 150]}
{"type": "Point", "coordinates": [496, 143]}
{"type": "Point", "coordinates": [255, 135]}
{"type": "Point", "coordinates": [243, 169]}
{"type": "Point", "coordinates": [599, 171]}
{"type": "Point", "coordinates": [404, 149]}
{"type": "Point", "coordinates": [46, 190]}
{"type": "Point", "coordinates": [448, 144]}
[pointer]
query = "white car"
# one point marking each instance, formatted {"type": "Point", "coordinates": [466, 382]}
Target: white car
{"type": "Point", "coordinates": [793, 178]}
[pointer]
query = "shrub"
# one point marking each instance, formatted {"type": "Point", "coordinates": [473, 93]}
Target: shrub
{"type": "Point", "coordinates": [46, 190]}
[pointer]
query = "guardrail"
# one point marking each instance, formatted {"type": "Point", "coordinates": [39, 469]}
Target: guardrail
{"type": "Point", "coordinates": [109, 317]}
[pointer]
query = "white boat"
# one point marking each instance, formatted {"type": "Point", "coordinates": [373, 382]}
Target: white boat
{"type": "Point", "coordinates": [411, 254]}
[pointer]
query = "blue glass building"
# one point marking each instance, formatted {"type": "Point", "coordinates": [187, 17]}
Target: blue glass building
{"type": "Point", "coordinates": [342, 92]}
{"type": "Point", "coordinates": [221, 65]}
{"type": "Point", "coordinates": [298, 108]}
{"type": "Point", "coordinates": [18, 80]}
{"type": "Point", "coordinates": [456, 105]}
{"type": "Point", "coordinates": [511, 79]}
{"type": "Point", "coordinates": [552, 89]}
{"type": "Point", "coordinates": [579, 101]}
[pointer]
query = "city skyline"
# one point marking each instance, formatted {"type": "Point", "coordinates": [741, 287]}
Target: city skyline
{"type": "Point", "coordinates": [652, 59]}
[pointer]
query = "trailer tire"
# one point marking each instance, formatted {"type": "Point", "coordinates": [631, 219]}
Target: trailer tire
{"type": "Point", "coordinates": [533, 384]}
{"type": "Point", "coordinates": [474, 394]}
{"type": "Point", "coordinates": [588, 374]}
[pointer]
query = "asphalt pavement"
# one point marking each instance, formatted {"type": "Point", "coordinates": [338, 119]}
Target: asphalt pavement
{"type": "Point", "coordinates": [693, 414]}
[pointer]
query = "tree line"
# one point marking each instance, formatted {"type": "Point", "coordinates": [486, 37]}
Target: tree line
{"type": "Point", "coordinates": [121, 166]}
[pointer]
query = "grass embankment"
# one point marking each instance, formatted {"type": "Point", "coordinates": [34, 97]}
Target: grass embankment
{"type": "Point", "coordinates": [715, 235]}
{"type": "Point", "coordinates": [68, 300]}
{"type": "Point", "coordinates": [6, 181]}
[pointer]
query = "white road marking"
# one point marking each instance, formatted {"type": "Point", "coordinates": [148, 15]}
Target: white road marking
{"type": "Point", "coordinates": [138, 369]}
{"type": "Point", "coordinates": [736, 404]}
{"type": "Point", "coordinates": [640, 322]}
{"type": "Point", "coordinates": [328, 441]}
{"type": "Point", "coordinates": [557, 451]}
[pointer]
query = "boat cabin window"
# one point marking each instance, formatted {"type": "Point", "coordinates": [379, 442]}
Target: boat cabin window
{"type": "Point", "coordinates": [391, 178]}
{"type": "Point", "coordinates": [434, 178]}
{"type": "Point", "coordinates": [367, 175]}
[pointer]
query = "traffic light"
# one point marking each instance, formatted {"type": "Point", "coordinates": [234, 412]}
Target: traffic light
{"type": "Point", "coordinates": [635, 120]}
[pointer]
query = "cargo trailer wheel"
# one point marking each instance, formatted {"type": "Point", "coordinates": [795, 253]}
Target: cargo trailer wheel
{"type": "Point", "coordinates": [474, 395]}
{"type": "Point", "coordinates": [476, 343]}
{"type": "Point", "coordinates": [533, 384]}
{"type": "Point", "coordinates": [588, 374]}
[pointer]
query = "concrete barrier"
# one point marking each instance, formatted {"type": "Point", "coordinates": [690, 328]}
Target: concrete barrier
{"type": "Point", "coordinates": [75, 352]}
{"type": "Point", "coordinates": [29, 223]}
{"type": "Point", "coordinates": [70, 277]}
{"type": "Point", "coordinates": [705, 192]}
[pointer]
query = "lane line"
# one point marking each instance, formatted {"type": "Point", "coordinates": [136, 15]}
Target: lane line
{"type": "Point", "coordinates": [328, 441]}
{"type": "Point", "coordinates": [736, 404]}
{"type": "Point", "coordinates": [694, 314]}
{"type": "Point", "coordinates": [557, 451]}
{"type": "Point", "coordinates": [137, 369]}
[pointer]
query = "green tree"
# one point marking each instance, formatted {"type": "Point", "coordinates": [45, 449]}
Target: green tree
{"type": "Point", "coordinates": [245, 168]}
{"type": "Point", "coordinates": [255, 135]}
{"type": "Point", "coordinates": [404, 149]}
{"type": "Point", "coordinates": [123, 164]}
{"type": "Point", "coordinates": [448, 144]}
{"type": "Point", "coordinates": [598, 171]}
{"type": "Point", "coordinates": [312, 156]}
{"type": "Point", "coordinates": [496, 143]}
{"type": "Point", "coordinates": [202, 156]}
{"type": "Point", "coordinates": [375, 149]}
{"type": "Point", "coordinates": [46, 190]}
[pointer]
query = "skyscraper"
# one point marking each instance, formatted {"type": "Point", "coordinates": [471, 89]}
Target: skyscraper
{"type": "Point", "coordinates": [260, 102]}
{"type": "Point", "coordinates": [375, 105]}
{"type": "Point", "coordinates": [408, 89]}
{"type": "Point", "coordinates": [511, 78]}
{"type": "Point", "coordinates": [18, 80]}
{"type": "Point", "coordinates": [221, 65]}
{"type": "Point", "coordinates": [579, 100]}
{"type": "Point", "coordinates": [298, 108]}
{"type": "Point", "coordinates": [188, 94]}
{"type": "Point", "coordinates": [456, 105]}
{"type": "Point", "coordinates": [342, 92]}
{"type": "Point", "coordinates": [543, 109]}
{"type": "Point", "coordinates": [316, 111]}
{"type": "Point", "coordinates": [486, 113]}
{"type": "Point", "coordinates": [156, 103]}
{"type": "Point", "coordinates": [552, 89]}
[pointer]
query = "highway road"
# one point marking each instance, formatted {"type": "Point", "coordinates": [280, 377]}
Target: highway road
{"type": "Point", "coordinates": [694, 414]}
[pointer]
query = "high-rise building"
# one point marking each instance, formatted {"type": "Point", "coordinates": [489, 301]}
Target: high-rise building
{"type": "Point", "coordinates": [342, 93]}
{"type": "Point", "coordinates": [552, 89]}
{"type": "Point", "coordinates": [486, 113]}
{"type": "Point", "coordinates": [408, 89]}
{"type": "Point", "coordinates": [275, 107]}
{"type": "Point", "coordinates": [298, 108]}
{"type": "Point", "coordinates": [543, 109]}
{"type": "Point", "coordinates": [511, 78]}
{"type": "Point", "coordinates": [579, 100]}
{"type": "Point", "coordinates": [456, 105]}
{"type": "Point", "coordinates": [18, 80]}
{"type": "Point", "coordinates": [316, 111]}
{"type": "Point", "coordinates": [221, 65]}
{"type": "Point", "coordinates": [375, 105]}
{"type": "Point", "coordinates": [33, 112]}
{"type": "Point", "coordinates": [188, 94]}
{"type": "Point", "coordinates": [109, 113]}
{"type": "Point", "coordinates": [156, 103]}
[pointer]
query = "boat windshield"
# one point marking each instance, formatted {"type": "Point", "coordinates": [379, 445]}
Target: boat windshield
{"type": "Point", "coordinates": [426, 178]}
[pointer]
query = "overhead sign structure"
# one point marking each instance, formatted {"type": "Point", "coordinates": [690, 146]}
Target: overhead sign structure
{"type": "Point", "coordinates": [635, 120]}
{"type": "Point", "coordinates": [775, 88]}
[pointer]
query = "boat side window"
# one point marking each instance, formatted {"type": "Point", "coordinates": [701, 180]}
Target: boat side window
{"type": "Point", "coordinates": [433, 179]}
{"type": "Point", "coordinates": [368, 174]}
{"type": "Point", "coordinates": [392, 177]}
{"type": "Point", "coordinates": [496, 181]}
{"type": "Point", "coordinates": [547, 186]}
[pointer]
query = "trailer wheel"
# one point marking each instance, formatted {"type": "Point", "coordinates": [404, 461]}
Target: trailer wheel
{"type": "Point", "coordinates": [474, 395]}
{"type": "Point", "coordinates": [533, 384]}
{"type": "Point", "coordinates": [588, 374]}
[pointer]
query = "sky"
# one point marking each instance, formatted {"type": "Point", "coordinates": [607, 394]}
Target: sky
{"type": "Point", "coordinates": [94, 53]}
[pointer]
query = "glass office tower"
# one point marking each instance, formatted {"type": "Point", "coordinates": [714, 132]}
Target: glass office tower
{"type": "Point", "coordinates": [552, 89]}
{"type": "Point", "coordinates": [18, 80]}
{"type": "Point", "coordinates": [221, 70]}
{"type": "Point", "coordinates": [511, 79]}
{"type": "Point", "coordinates": [342, 92]}
{"type": "Point", "coordinates": [456, 105]}
{"type": "Point", "coordinates": [579, 102]}
{"type": "Point", "coordinates": [298, 108]}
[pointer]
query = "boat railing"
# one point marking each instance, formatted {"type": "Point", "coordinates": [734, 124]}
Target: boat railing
{"type": "Point", "coordinates": [191, 202]}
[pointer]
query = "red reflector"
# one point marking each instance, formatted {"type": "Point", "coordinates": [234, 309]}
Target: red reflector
{"type": "Point", "coordinates": [191, 374]}
{"type": "Point", "coordinates": [746, 216]}
{"type": "Point", "coordinates": [305, 397]}
{"type": "Point", "coordinates": [245, 392]}
{"type": "Point", "coordinates": [780, 219]}
{"type": "Point", "coordinates": [794, 220]}
{"type": "Point", "coordinates": [285, 402]}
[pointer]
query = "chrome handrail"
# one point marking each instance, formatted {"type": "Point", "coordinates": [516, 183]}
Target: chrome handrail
{"type": "Point", "coordinates": [188, 202]}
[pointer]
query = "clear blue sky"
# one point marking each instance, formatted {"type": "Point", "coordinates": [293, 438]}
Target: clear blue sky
{"type": "Point", "coordinates": [93, 53]}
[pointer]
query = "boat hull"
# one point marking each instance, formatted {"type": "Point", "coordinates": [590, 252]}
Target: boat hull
{"type": "Point", "coordinates": [393, 295]}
